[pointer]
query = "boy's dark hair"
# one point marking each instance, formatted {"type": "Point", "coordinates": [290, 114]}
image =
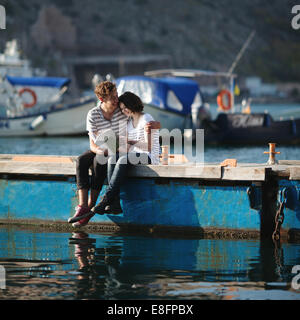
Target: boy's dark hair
{"type": "Point", "coordinates": [131, 101]}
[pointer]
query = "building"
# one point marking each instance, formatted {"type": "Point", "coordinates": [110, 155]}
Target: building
{"type": "Point", "coordinates": [257, 88]}
{"type": "Point", "coordinates": [83, 69]}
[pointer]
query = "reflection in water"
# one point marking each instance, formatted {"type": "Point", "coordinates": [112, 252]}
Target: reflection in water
{"type": "Point", "coordinates": [272, 261]}
{"type": "Point", "coordinates": [272, 266]}
{"type": "Point", "coordinates": [95, 266]}
{"type": "Point", "coordinates": [85, 255]}
{"type": "Point", "coordinates": [97, 272]}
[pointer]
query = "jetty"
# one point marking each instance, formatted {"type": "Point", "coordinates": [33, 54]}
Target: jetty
{"type": "Point", "coordinates": [228, 199]}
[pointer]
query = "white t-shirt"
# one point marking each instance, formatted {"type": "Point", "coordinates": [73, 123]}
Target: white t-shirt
{"type": "Point", "coordinates": [139, 134]}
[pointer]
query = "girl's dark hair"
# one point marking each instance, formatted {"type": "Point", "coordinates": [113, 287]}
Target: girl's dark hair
{"type": "Point", "coordinates": [131, 101]}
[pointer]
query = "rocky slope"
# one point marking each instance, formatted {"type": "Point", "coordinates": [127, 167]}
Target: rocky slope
{"type": "Point", "coordinates": [200, 34]}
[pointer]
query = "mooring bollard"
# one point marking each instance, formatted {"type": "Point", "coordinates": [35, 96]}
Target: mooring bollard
{"type": "Point", "coordinates": [272, 153]}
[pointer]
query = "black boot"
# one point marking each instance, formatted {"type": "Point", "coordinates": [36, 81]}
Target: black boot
{"type": "Point", "coordinates": [100, 207]}
{"type": "Point", "coordinates": [114, 207]}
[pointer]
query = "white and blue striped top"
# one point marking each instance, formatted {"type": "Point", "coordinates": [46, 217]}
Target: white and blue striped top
{"type": "Point", "coordinates": [139, 134]}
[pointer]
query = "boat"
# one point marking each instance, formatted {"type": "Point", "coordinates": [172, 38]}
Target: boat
{"type": "Point", "coordinates": [169, 100]}
{"type": "Point", "coordinates": [33, 104]}
{"type": "Point", "coordinates": [12, 64]}
{"type": "Point", "coordinates": [251, 129]}
{"type": "Point", "coordinates": [233, 124]}
{"type": "Point", "coordinates": [50, 117]}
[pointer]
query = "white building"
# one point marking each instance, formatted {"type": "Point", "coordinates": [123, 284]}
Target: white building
{"type": "Point", "coordinates": [257, 88]}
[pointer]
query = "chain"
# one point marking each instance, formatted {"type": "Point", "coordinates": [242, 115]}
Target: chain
{"type": "Point", "coordinates": [278, 254]}
{"type": "Point", "coordinates": [279, 217]}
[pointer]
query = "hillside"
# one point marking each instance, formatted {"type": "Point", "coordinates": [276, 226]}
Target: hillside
{"type": "Point", "coordinates": [200, 34]}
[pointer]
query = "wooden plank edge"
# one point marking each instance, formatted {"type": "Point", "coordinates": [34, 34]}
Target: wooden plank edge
{"type": "Point", "coordinates": [243, 174]}
{"type": "Point", "coordinates": [295, 173]}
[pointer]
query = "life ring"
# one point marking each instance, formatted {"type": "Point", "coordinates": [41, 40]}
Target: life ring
{"type": "Point", "coordinates": [34, 97]}
{"type": "Point", "coordinates": [220, 100]}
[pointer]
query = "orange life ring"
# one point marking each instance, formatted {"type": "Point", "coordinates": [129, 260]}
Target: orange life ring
{"type": "Point", "coordinates": [34, 97]}
{"type": "Point", "coordinates": [220, 100]}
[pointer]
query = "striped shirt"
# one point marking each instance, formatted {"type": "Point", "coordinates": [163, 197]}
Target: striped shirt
{"type": "Point", "coordinates": [96, 123]}
{"type": "Point", "coordinates": [139, 134]}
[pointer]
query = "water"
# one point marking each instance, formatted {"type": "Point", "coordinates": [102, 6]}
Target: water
{"type": "Point", "coordinates": [44, 265]}
{"type": "Point", "coordinates": [77, 145]}
{"type": "Point", "coordinates": [47, 265]}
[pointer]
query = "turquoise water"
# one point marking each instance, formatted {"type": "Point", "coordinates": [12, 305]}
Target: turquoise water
{"type": "Point", "coordinates": [48, 265]}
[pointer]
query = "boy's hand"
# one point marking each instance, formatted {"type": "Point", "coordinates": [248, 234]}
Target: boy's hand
{"type": "Point", "coordinates": [152, 125]}
{"type": "Point", "coordinates": [102, 152]}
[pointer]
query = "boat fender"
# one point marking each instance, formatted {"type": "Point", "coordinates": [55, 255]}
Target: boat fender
{"type": "Point", "coordinates": [4, 124]}
{"type": "Point", "coordinates": [33, 94]}
{"type": "Point", "coordinates": [267, 120]}
{"type": "Point", "coordinates": [224, 107]}
{"type": "Point", "coordinates": [294, 127]}
{"type": "Point", "coordinates": [200, 115]}
{"type": "Point", "coordinates": [37, 122]}
{"type": "Point", "coordinates": [255, 197]}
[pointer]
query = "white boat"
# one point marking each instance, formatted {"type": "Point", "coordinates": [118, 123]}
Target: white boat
{"type": "Point", "coordinates": [171, 101]}
{"type": "Point", "coordinates": [32, 104]}
{"type": "Point", "coordinates": [24, 113]}
{"type": "Point", "coordinates": [16, 74]}
{"type": "Point", "coordinates": [12, 64]}
{"type": "Point", "coordinates": [69, 119]}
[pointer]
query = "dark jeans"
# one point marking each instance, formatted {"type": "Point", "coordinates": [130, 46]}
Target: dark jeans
{"type": "Point", "coordinates": [99, 172]}
{"type": "Point", "coordinates": [115, 170]}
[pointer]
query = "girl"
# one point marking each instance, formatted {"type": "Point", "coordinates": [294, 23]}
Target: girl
{"type": "Point", "coordinates": [139, 141]}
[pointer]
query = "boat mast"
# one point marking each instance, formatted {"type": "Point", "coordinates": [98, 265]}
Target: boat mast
{"type": "Point", "coordinates": [235, 62]}
{"type": "Point", "coordinates": [241, 52]}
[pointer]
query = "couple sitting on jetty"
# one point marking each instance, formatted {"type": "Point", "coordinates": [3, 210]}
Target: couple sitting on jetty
{"type": "Point", "coordinates": [125, 118]}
